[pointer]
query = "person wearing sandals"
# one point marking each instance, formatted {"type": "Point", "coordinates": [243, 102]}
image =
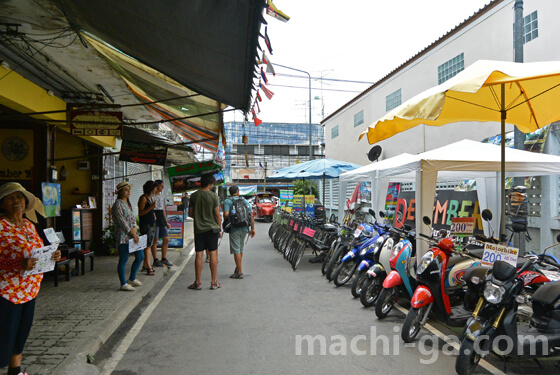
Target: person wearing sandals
{"type": "Point", "coordinates": [125, 230]}
{"type": "Point", "coordinates": [204, 209]}
{"type": "Point", "coordinates": [18, 237]}
{"type": "Point", "coordinates": [162, 226]}
{"type": "Point", "coordinates": [237, 235]}
{"type": "Point", "coordinates": [146, 207]}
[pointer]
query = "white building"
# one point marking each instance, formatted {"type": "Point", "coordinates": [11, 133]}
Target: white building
{"type": "Point", "coordinates": [487, 35]}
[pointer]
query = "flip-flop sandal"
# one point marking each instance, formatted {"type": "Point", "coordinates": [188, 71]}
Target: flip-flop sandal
{"type": "Point", "coordinates": [239, 275]}
{"type": "Point", "coordinates": [150, 272]}
{"type": "Point", "coordinates": [233, 276]}
{"type": "Point", "coordinates": [215, 286]}
{"type": "Point", "coordinates": [195, 286]}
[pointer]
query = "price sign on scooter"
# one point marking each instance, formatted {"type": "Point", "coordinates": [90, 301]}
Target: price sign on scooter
{"type": "Point", "coordinates": [358, 231]}
{"type": "Point", "coordinates": [462, 226]}
{"type": "Point", "coordinates": [493, 252]}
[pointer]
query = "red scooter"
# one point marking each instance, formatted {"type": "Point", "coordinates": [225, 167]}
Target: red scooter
{"type": "Point", "coordinates": [431, 293]}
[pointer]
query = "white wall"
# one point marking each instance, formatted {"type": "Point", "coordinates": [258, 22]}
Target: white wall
{"type": "Point", "coordinates": [489, 37]}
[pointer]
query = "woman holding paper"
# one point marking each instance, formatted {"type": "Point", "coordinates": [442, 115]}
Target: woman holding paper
{"type": "Point", "coordinates": [18, 238]}
{"type": "Point", "coordinates": [125, 230]}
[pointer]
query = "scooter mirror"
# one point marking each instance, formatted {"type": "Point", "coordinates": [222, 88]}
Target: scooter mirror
{"type": "Point", "coordinates": [487, 215]}
{"type": "Point", "coordinates": [372, 213]}
{"type": "Point", "coordinates": [382, 214]}
{"type": "Point", "coordinates": [558, 238]}
{"type": "Point", "coordinates": [426, 220]}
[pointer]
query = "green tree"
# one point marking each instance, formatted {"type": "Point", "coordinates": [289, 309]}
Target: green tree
{"type": "Point", "coordinates": [302, 188]}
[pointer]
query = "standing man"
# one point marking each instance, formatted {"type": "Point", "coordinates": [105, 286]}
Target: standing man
{"type": "Point", "coordinates": [162, 226]}
{"type": "Point", "coordinates": [204, 209]}
{"type": "Point", "coordinates": [238, 234]}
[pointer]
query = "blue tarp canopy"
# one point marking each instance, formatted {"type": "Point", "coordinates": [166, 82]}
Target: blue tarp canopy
{"type": "Point", "coordinates": [314, 169]}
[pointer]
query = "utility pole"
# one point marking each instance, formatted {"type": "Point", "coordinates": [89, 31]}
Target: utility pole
{"type": "Point", "coordinates": [518, 135]}
{"type": "Point", "coordinates": [265, 167]}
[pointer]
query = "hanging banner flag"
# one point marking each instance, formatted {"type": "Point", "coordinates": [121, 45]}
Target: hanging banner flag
{"type": "Point", "coordinates": [258, 108]}
{"type": "Point", "coordinates": [269, 67]}
{"type": "Point", "coordinates": [264, 76]}
{"type": "Point", "coordinates": [142, 153]}
{"type": "Point", "coordinates": [220, 158]}
{"type": "Point", "coordinates": [274, 12]}
{"type": "Point", "coordinates": [269, 94]}
{"type": "Point", "coordinates": [255, 118]}
{"type": "Point", "coordinates": [259, 97]}
{"type": "Point", "coordinates": [267, 40]}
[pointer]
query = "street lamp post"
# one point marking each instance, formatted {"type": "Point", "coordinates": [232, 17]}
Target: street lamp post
{"type": "Point", "coordinates": [310, 128]}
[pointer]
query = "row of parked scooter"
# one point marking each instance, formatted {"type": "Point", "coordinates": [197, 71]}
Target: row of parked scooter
{"type": "Point", "coordinates": [512, 311]}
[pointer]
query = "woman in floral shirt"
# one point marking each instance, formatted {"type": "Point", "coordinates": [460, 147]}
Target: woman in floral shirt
{"type": "Point", "coordinates": [18, 237]}
{"type": "Point", "coordinates": [125, 230]}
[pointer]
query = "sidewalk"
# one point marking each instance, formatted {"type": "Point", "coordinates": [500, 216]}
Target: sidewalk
{"type": "Point", "coordinates": [77, 317]}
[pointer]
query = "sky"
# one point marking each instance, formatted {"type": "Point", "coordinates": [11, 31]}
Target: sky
{"type": "Point", "coordinates": [350, 40]}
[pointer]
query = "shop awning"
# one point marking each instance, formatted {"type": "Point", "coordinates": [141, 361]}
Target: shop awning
{"type": "Point", "coordinates": [209, 46]}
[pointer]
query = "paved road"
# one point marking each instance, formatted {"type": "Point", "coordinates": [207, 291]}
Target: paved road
{"type": "Point", "coordinates": [251, 326]}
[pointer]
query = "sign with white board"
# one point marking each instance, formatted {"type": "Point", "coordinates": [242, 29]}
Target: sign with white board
{"type": "Point", "coordinates": [493, 252]}
{"type": "Point", "coordinates": [462, 226]}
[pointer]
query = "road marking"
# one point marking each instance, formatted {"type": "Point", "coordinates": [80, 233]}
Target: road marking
{"type": "Point", "coordinates": [483, 363]}
{"type": "Point", "coordinates": [135, 330]}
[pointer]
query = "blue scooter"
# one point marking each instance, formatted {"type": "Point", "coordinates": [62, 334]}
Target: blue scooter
{"type": "Point", "coordinates": [364, 244]}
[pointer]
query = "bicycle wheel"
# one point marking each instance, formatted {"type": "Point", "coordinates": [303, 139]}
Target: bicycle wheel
{"type": "Point", "coordinates": [298, 255]}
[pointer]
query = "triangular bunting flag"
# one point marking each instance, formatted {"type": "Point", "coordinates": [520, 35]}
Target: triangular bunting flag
{"type": "Point", "coordinates": [264, 76]}
{"type": "Point", "coordinates": [259, 96]}
{"type": "Point", "coordinates": [267, 40]}
{"type": "Point", "coordinates": [269, 94]}
{"type": "Point", "coordinates": [275, 12]}
{"type": "Point", "coordinates": [269, 67]}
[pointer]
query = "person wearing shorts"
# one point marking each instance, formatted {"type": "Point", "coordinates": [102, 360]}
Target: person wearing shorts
{"type": "Point", "coordinates": [204, 209]}
{"type": "Point", "coordinates": [237, 235]}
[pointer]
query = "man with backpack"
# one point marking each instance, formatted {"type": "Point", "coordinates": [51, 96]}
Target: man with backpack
{"type": "Point", "coordinates": [239, 214]}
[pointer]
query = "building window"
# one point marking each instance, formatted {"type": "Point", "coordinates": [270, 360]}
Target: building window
{"type": "Point", "coordinates": [334, 132]}
{"type": "Point", "coordinates": [359, 118]}
{"type": "Point", "coordinates": [530, 27]}
{"type": "Point", "coordinates": [393, 100]}
{"type": "Point", "coordinates": [451, 68]}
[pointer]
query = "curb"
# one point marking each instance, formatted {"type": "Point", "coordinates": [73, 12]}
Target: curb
{"type": "Point", "coordinates": [76, 362]}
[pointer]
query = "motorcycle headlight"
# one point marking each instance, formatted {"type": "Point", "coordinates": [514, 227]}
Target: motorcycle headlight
{"type": "Point", "coordinates": [425, 262]}
{"type": "Point", "coordinates": [396, 250]}
{"type": "Point", "coordinates": [377, 243]}
{"type": "Point", "coordinates": [493, 293]}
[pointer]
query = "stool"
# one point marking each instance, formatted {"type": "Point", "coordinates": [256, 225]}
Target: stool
{"type": "Point", "coordinates": [82, 255]}
{"type": "Point", "coordinates": [62, 262]}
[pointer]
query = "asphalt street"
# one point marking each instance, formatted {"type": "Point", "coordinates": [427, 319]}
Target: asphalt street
{"type": "Point", "coordinates": [263, 325]}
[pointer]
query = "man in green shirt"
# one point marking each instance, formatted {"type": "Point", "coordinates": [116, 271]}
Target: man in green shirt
{"type": "Point", "coordinates": [204, 209]}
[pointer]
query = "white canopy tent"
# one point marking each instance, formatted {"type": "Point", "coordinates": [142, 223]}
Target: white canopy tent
{"type": "Point", "coordinates": [461, 160]}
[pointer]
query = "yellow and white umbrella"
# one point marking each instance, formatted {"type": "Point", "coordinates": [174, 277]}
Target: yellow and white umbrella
{"type": "Point", "coordinates": [523, 94]}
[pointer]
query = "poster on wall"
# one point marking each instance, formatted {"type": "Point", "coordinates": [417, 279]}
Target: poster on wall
{"type": "Point", "coordinates": [365, 192]}
{"type": "Point", "coordinates": [76, 226]}
{"type": "Point", "coordinates": [16, 157]}
{"type": "Point", "coordinates": [51, 198]}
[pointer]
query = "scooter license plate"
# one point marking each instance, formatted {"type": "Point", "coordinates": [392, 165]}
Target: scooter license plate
{"type": "Point", "coordinates": [358, 231]}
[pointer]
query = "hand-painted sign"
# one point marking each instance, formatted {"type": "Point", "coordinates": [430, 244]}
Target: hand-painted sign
{"type": "Point", "coordinates": [142, 153]}
{"type": "Point", "coordinates": [96, 123]}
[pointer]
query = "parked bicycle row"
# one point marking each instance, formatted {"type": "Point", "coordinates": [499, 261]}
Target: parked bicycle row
{"type": "Point", "coordinates": [510, 308]}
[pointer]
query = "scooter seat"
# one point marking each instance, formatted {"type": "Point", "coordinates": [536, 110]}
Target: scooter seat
{"type": "Point", "coordinates": [547, 294]}
{"type": "Point", "coordinates": [454, 259]}
{"type": "Point", "coordinates": [477, 253]}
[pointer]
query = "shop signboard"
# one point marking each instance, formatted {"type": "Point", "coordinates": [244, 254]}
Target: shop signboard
{"type": "Point", "coordinates": [95, 123]}
{"type": "Point", "coordinates": [299, 203]}
{"type": "Point", "coordinates": [187, 177]}
{"type": "Point", "coordinates": [176, 232]}
{"type": "Point", "coordinates": [142, 153]}
{"type": "Point", "coordinates": [310, 205]}
{"type": "Point", "coordinates": [449, 204]}
{"type": "Point", "coordinates": [286, 200]}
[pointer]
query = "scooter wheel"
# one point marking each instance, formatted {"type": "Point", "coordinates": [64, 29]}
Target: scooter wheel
{"type": "Point", "coordinates": [386, 301]}
{"type": "Point", "coordinates": [412, 323]}
{"type": "Point", "coordinates": [468, 358]}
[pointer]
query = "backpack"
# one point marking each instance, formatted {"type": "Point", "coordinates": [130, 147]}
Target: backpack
{"type": "Point", "coordinates": [240, 215]}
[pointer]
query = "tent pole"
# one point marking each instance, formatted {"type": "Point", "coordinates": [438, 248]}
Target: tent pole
{"type": "Point", "coordinates": [323, 200]}
{"type": "Point", "coordinates": [503, 165]}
